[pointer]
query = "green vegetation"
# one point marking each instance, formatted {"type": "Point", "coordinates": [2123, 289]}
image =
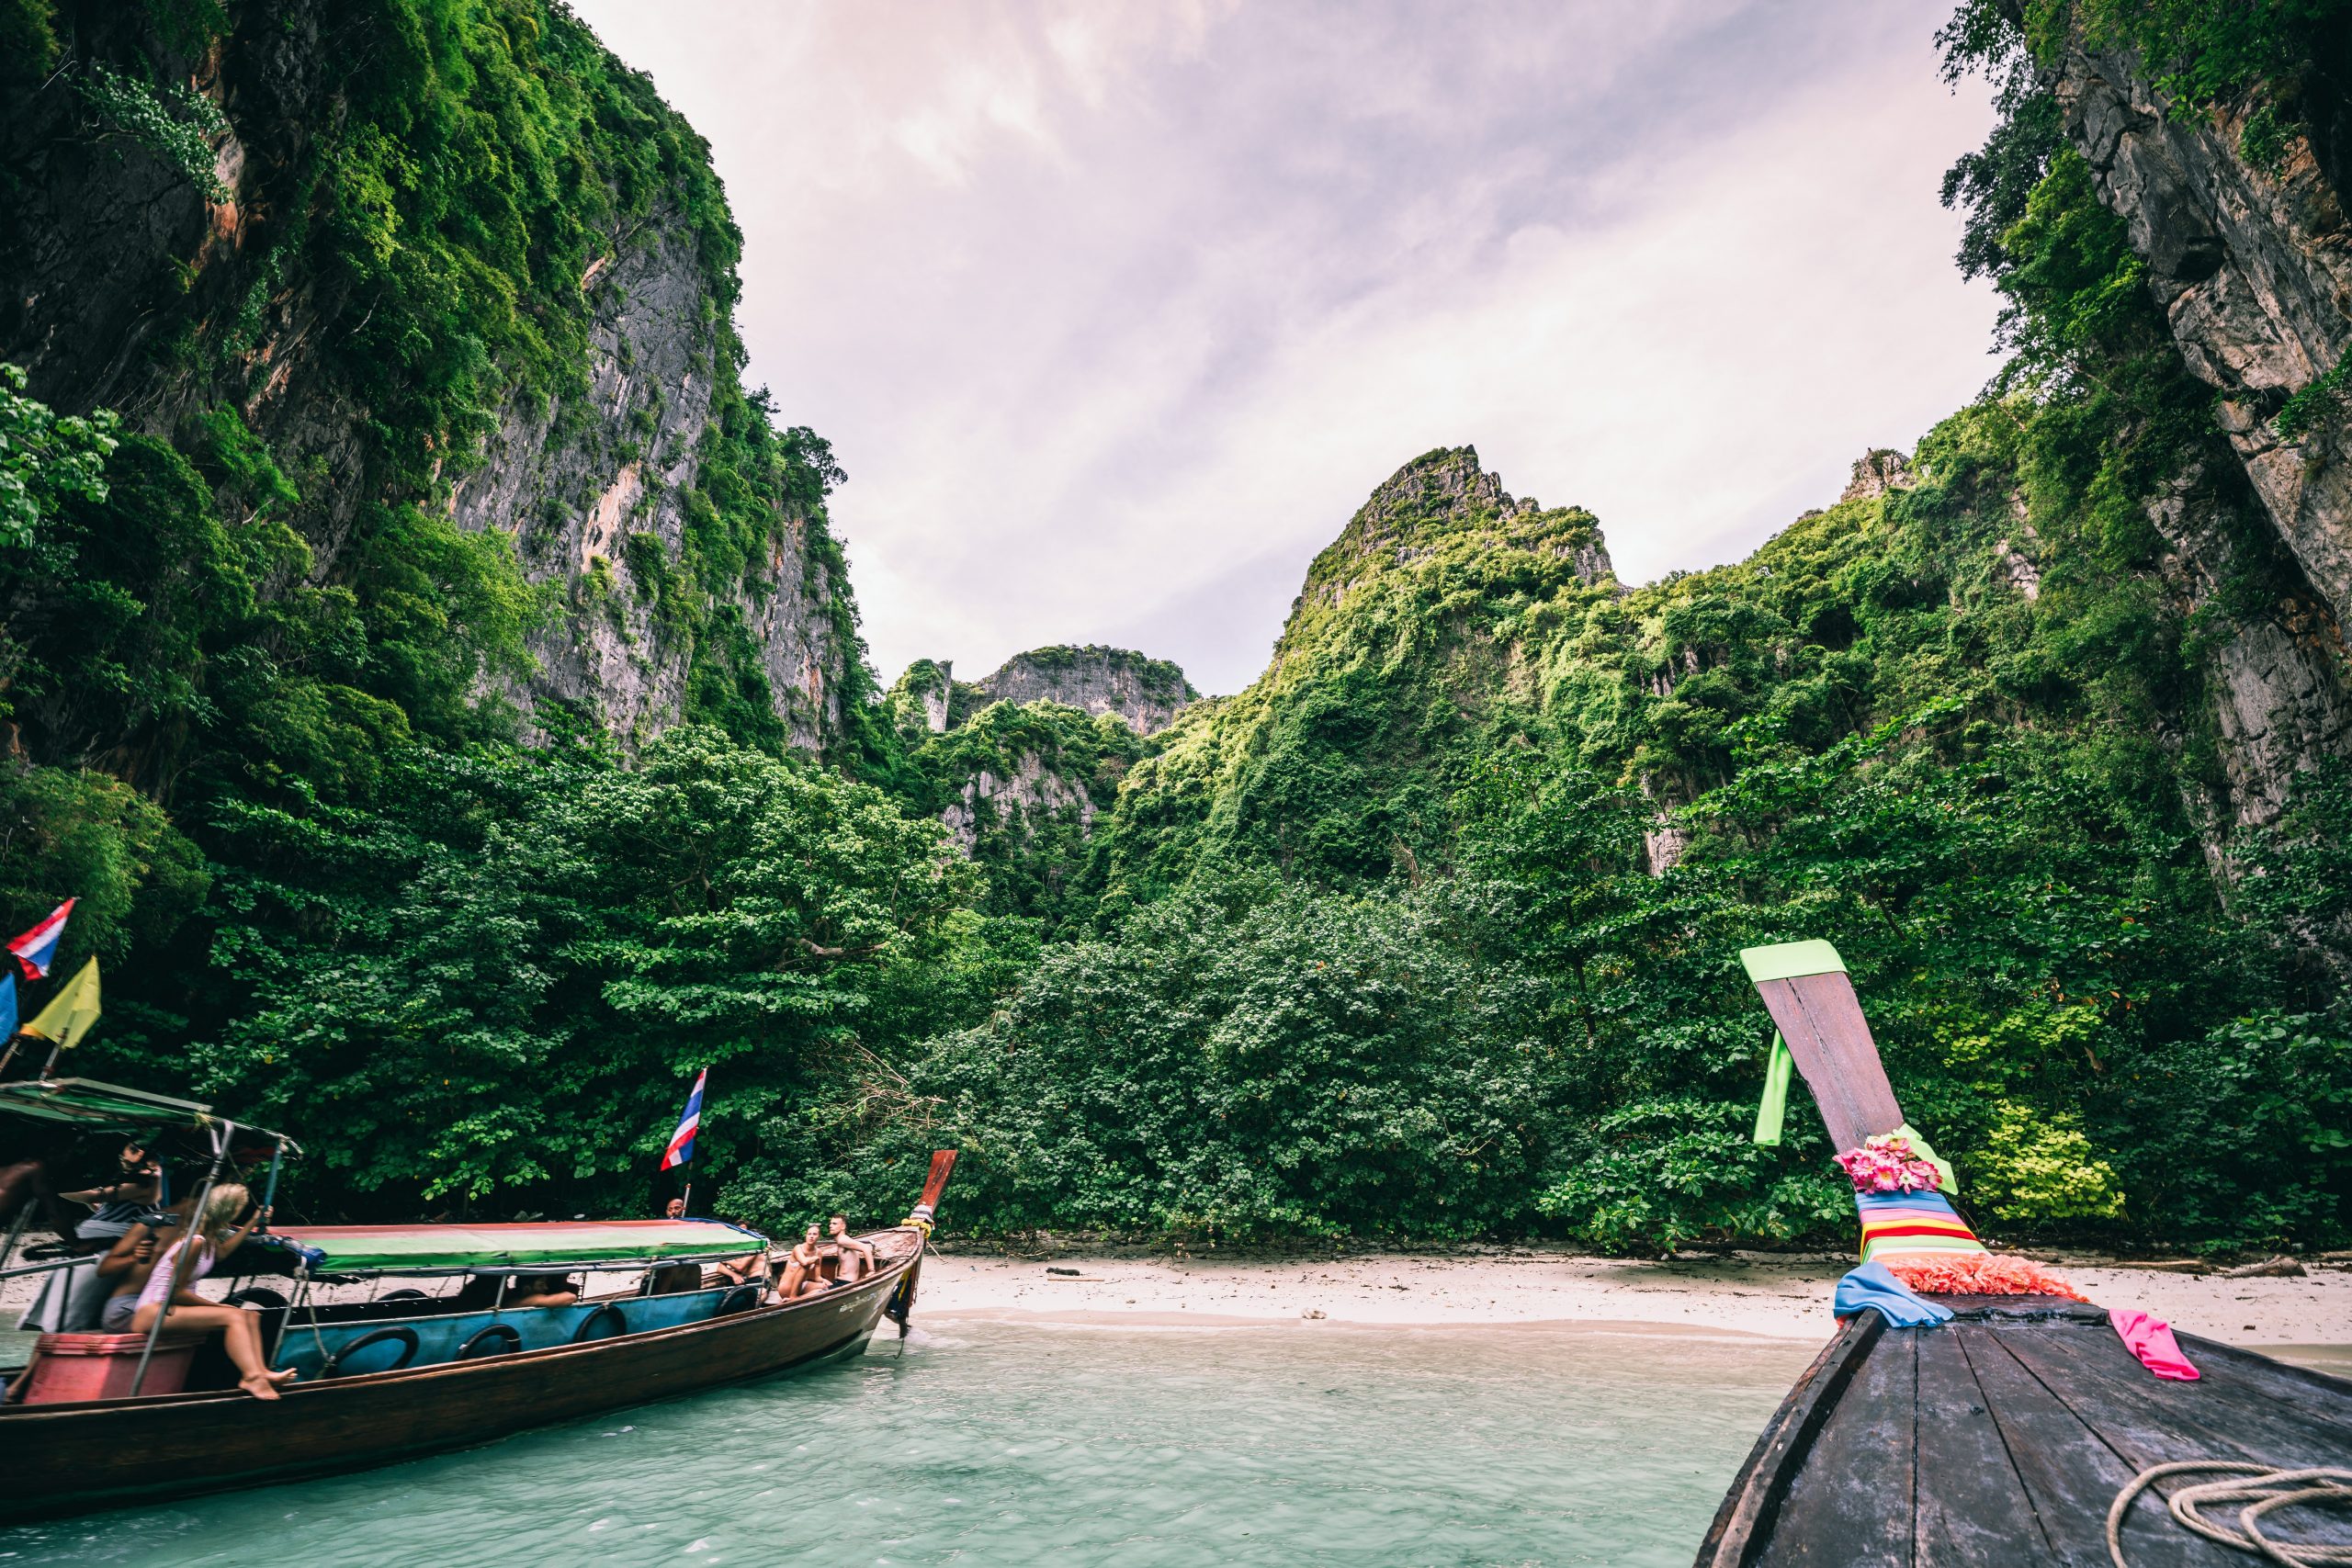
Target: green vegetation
{"type": "Point", "coordinates": [1431, 932]}
{"type": "Point", "coordinates": [258, 709]}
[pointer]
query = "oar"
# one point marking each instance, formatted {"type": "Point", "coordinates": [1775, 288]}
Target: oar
{"type": "Point", "coordinates": [902, 1299]}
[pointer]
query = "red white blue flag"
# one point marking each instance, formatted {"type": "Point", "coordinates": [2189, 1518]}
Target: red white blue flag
{"type": "Point", "coordinates": [681, 1141]}
{"type": "Point", "coordinates": [36, 949]}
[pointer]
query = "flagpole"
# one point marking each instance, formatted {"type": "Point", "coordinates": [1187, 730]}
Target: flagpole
{"type": "Point", "coordinates": [696, 1100]}
{"type": "Point", "coordinates": [702, 1089]}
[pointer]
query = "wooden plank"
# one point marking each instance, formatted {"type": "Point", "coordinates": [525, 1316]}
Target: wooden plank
{"type": "Point", "coordinates": [2150, 1421]}
{"type": "Point", "coordinates": [1821, 1019]}
{"type": "Point", "coordinates": [1744, 1523]}
{"type": "Point", "coordinates": [1851, 1502]}
{"type": "Point", "coordinates": [2316, 1395]}
{"type": "Point", "coordinates": [2070, 1475]}
{"type": "Point", "coordinates": [1971, 1506]}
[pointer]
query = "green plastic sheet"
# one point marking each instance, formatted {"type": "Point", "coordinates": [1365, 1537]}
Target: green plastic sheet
{"type": "Point", "coordinates": [483, 1249]}
{"type": "Point", "coordinates": [99, 1106]}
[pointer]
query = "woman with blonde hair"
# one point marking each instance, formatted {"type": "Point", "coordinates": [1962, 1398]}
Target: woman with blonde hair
{"type": "Point", "coordinates": [185, 1255]}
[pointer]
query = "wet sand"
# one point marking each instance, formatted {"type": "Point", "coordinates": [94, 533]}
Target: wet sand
{"type": "Point", "coordinates": [1775, 1295]}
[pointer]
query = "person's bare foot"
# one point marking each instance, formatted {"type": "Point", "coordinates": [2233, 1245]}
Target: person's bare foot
{"type": "Point", "coordinates": [259, 1385]}
{"type": "Point", "coordinates": [283, 1375]}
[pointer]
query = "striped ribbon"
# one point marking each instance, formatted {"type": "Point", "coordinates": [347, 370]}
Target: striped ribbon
{"type": "Point", "coordinates": [1896, 1224]}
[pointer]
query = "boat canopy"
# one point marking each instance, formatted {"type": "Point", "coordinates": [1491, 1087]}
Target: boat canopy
{"type": "Point", "coordinates": [501, 1248]}
{"type": "Point", "coordinates": [105, 1106]}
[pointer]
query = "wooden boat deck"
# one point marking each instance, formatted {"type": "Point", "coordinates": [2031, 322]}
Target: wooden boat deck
{"type": "Point", "coordinates": [2004, 1436]}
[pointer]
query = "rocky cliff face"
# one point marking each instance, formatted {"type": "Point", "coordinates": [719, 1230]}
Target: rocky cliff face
{"type": "Point", "coordinates": [595, 492]}
{"type": "Point", "coordinates": [2252, 267]}
{"type": "Point", "coordinates": [1432, 500]}
{"type": "Point", "coordinates": [2254, 270]}
{"type": "Point", "coordinates": [1422, 634]}
{"type": "Point", "coordinates": [129, 286]}
{"type": "Point", "coordinates": [1019, 765]}
{"type": "Point", "coordinates": [1146, 693]}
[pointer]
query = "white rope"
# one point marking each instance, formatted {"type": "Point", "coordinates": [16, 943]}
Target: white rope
{"type": "Point", "coordinates": [2262, 1489]}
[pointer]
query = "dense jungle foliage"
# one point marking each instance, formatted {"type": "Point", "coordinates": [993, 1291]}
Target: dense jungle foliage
{"type": "Point", "coordinates": [1431, 932]}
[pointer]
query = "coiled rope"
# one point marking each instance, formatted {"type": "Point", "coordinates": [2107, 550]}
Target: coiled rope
{"type": "Point", "coordinates": [2262, 1489]}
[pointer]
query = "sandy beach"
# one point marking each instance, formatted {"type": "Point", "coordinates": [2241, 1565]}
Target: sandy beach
{"type": "Point", "coordinates": [1759, 1293]}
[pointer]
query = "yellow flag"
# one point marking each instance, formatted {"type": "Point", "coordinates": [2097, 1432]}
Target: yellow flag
{"type": "Point", "coordinates": [72, 1011]}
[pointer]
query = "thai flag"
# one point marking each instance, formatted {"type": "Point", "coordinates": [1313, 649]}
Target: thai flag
{"type": "Point", "coordinates": [36, 949]}
{"type": "Point", "coordinates": [681, 1141]}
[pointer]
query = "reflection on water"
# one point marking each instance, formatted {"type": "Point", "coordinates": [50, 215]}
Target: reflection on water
{"type": "Point", "coordinates": [997, 1443]}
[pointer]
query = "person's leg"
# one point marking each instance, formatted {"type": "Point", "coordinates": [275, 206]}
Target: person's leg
{"type": "Point", "coordinates": [239, 1335]}
{"type": "Point", "coordinates": [245, 1323]}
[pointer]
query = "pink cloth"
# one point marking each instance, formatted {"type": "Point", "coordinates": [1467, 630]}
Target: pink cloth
{"type": "Point", "coordinates": [2150, 1338]}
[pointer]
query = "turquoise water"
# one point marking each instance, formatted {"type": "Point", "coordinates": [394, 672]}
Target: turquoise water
{"type": "Point", "coordinates": [1000, 1443]}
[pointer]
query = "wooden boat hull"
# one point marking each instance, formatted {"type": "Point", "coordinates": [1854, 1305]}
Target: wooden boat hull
{"type": "Point", "coordinates": [66, 1458]}
{"type": "Point", "coordinates": [2002, 1436]}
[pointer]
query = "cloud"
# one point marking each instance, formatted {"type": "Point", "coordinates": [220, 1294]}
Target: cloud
{"type": "Point", "coordinates": [1115, 314]}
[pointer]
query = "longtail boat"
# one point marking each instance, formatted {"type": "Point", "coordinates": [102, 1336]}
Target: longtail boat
{"type": "Point", "coordinates": [408, 1372]}
{"type": "Point", "coordinates": [2022, 1430]}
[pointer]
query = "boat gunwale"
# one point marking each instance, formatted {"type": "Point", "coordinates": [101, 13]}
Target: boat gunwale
{"type": "Point", "coordinates": [1751, 1507]}
{"type": "Point", "coordinates": [890, 1271]}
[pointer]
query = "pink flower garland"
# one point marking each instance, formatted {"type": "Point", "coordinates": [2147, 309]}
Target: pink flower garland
{"type": "Point", "coordinates": [1885, 1164]}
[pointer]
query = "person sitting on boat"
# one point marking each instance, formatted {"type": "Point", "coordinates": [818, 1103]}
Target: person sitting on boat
{"type": "Point", "coordinates": [119, 1203]}
{"type": "Point", "coordinates": [128, 1264]}
{"type": "Point", "coordinates": [481, 1292]}
{"type": "Point", "coordinates": [803, 1268]}
{"type": "Point", "coordinates": [752, 1269]}
{"type": "Point", "coordinates": [185, 1253]}
{"type": "Point", "coordinates": [544, 1291]}
{"type": "Point", "coordinates": [858, 1258]}
{"type": "Point", "coordinates": [676, 1210]}
{"type": "Point", "coordinates": [673, 1279]}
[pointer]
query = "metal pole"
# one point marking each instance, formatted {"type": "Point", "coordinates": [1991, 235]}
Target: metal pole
{"type": "Point", "coordinates": [16, 1229]}
{"type": "Point", "coordinates": [276, 1159]}
{"type": "Point", "coordinates": [172, 1264]}
{"type": "Point", "coordinates": [14, 1041]}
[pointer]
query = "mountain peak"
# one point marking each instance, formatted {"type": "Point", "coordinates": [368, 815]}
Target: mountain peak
{"type": "Point", "coordinates": [1446, 495]}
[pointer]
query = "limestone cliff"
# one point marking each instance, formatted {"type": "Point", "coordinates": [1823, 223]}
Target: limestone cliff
{"type": "Point", "coordinates": [1146, 693]}
{"type": "Point", "coordinates": [2251, 263]}
{"type": "Point", "coordinates": [1422, 632]}
{"type": "Point", "coordinates": [531, 337]}
{"type": "Point", "coordinates": [1020, 765]}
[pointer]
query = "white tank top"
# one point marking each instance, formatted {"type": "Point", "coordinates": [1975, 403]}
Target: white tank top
{"type": "Point", "coordinates": [191, 1270]}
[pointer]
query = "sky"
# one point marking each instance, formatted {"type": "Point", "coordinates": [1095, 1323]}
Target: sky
{"type": "Point", "coordinates": [1114, 313]}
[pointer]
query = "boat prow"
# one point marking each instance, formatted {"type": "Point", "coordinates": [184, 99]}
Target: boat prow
{"type": "Point", "coordinates": [2004, 1436]}
{"type": "Point", "coordinates": [2009, 1431]}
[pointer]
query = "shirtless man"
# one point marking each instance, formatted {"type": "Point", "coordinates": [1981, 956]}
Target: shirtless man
{"type": "Point", "coordinates": [752, 1269]}
{"type": "Point", "coordinates": [802, 1268]}
{"type": "Point", "coordinates": [858, 1258]}
{"type": "Point", "coordinates": [543, 1290]}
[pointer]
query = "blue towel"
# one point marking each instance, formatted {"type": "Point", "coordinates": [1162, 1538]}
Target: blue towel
{"type": "Point", "coordinates": [1871, 1286]}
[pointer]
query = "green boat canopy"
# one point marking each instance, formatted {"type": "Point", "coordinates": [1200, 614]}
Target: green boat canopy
{"type": "Point", "coordinates": [496, 1250]}
{"type": "Point", "coordinates": [110, 1108]}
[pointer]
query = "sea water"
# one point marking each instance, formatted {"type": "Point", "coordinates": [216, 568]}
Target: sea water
{"type": "Point", "coordinates": [990, 1442]}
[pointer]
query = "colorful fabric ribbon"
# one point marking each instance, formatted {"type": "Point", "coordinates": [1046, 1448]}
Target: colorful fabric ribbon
{"type": "Point", "coordinates": [1772, 1111]}
{"type": "Point", "coordinates": [1898, 1222]}
{"type": "Point", "coordinates": [2150, 1338]}
{"type": "Point", "coordinates": [1872, 1288]}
